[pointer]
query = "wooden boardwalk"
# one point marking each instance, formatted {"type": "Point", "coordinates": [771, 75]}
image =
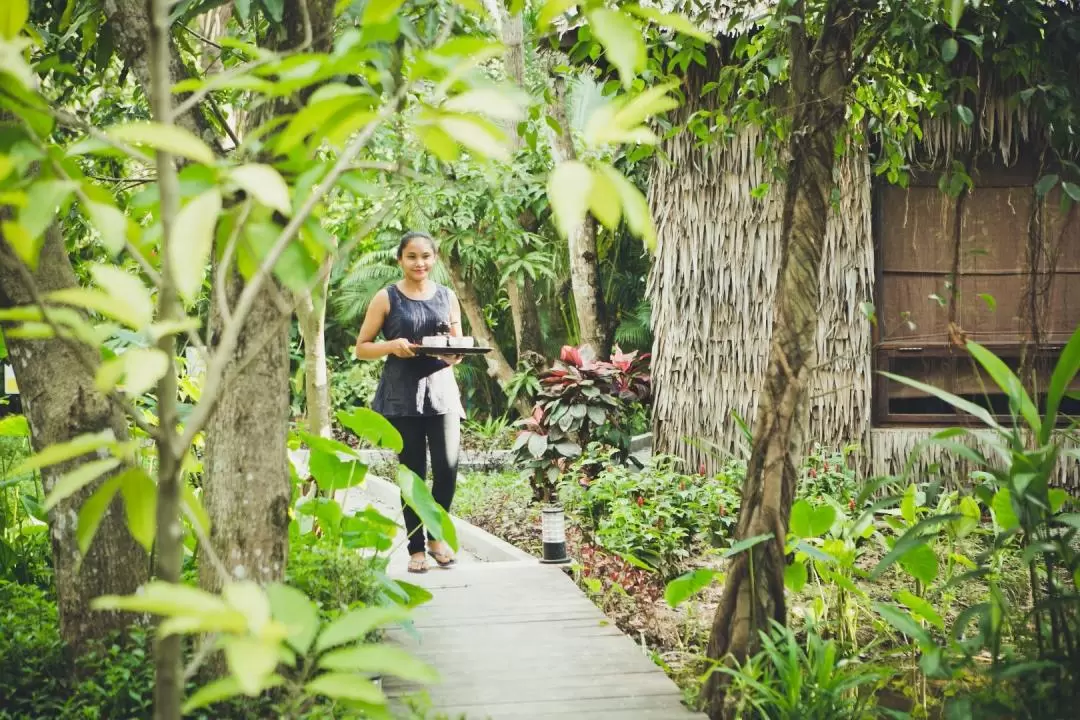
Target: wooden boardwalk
{"type": "Point", "coordinates": [517, 639]}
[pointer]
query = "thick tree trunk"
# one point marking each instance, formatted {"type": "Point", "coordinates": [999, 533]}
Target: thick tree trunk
{"type": "Point", "coordinates": [584, 265]}
{"type": "Point", "coordinates": [60, 402]}
{"type": "Point", "coordinates": [754, 590]}
{"type": "Point", "coordinates": [247, 476]}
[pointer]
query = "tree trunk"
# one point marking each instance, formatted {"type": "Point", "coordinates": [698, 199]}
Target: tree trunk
{"type": "Point", "coordinates": [524, 310]}
{"type": "Point", "coordinates": [60, 402]}
{"type": "Point", "coordinates": [584, 265]}
{"type": "Point", "coordinates": [311, 316]}
{"type": "Point", "coordinates": [498, 367]}
{"type": "Point", "coordinates": [754, 590]}
{"type": "Point", "coordinates": [247, 475]}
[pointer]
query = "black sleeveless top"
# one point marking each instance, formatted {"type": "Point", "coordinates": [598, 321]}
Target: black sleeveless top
{"type": "Point", "coordinates": [421, 385]}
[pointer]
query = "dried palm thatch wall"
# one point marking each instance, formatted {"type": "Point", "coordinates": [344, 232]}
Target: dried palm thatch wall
{"type": "Point", "coordinates": [712, 286]}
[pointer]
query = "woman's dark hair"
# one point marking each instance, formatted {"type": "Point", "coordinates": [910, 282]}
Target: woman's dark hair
{"type": "Point", "coordinates": [413, 235]}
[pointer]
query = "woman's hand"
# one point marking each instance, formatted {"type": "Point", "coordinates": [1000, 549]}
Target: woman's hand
{"type": "Point", "coordinates": [400, 348]}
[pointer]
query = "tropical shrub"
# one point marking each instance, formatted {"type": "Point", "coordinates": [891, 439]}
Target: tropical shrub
{"type": "Point", "coordinates": [581, 400]}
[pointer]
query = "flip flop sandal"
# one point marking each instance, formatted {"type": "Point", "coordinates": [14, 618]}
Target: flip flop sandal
{"type": "Point", "coordinates": [417, 565]}
{"type": "Point", "coordinates": [441, 559]}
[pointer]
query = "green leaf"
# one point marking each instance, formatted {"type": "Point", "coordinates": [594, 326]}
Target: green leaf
{"type": "Point", "coordinates": [913, 537]}
{"type": "Point", "coordinates": [356, 624]}
{"type": "Point", "coordinates": [1072, 190]}
{"type": "Point", "coordinates": [166, 138]}
{"type": "Point", "coordinates": [1070, 519]}
{"type": "Point", "coordinates": [128, 288]}
{"type": "Point", "coordinates": [166, 599]}
{"type": "Point", "coordinates": [13, 16]}
{"type": "Point", "coordinates": [113, 225]}
{"type": "Point", "coordinates": [744, 545]}
{"type": "Point", "coordinates": [224, 689]}
{"type": "Point", "coordinates": [956, 11]}
{"type": "Point", "coordinates": [243, 11]}
{"type": "Point", "coordinates": [808, 521]}
{"type": "Point", "coordinates": [378, 12]}
{"type": "Point", "coordinates": [949, 48]}
{"type": "Point", "coordinates": [415, 494]}
{"type": "Point", "coordinates": [1002, 508]}
{"type": "Point", "coordinates": [1068, 365]}
{"type": "Point", "coordinates": [551, 10]}
{"type": "Point", "coordinates": [678, 23]}
{"type": "Point", "coordinates": [369, 425]}
{"type": "Point", "coordinates": [686, 585]}
{"type": "Point", "coordinates": [903, 622]}
{"type": "Point", "coordinates": [43, 200]}
{"type": "Point", "coordinates": [476, 135]}
{"type": "Point", "coordinates": [1056, 496]}
{"type": "Point", "coordinates": [346, 686]}
{"type": "Point", "coordinates": [1046, 184]}
{"type": "Point", "coordinates": [250, 661]}
{"type": "Point", "coordinates": [965, 114]}
{"type": "Point", "coordinates": [297, 613]}
{"type": "Point", "coordinates": [25, 246]}
{"type": "Point", "coordinates": [1006, 379]}
{"type": "Point", "coordinates": [921, 563]}
{"type": "Point", "coordinates": [623, 42]}
{"type": "Point", "coordinates": [635, 207]}
{"type": "Point", "coordinates": [265, 184]}
{"type": "Point", "coordinates": [143, 367]}
{"type": "Point", "coordinates": [60, 452]}
{"type": "Point", "coordinates": [92, 511]}
{"type": "Point", "coordinates": [99, 302]}
{"type": "Point", "coordinates": [969, 509]}
{"type": "Point", "coordinates": [907, 505]}
{"type": "Point", "coordinates": [921, 608]}
{"type": "Point", "coordinates": [569, 188]}
{"type": "Point", "coordinates": [332, 473]}
{"type": "Point", "coordinates": [189, 250]}
{"type": "Point", "coordinates": [603, 201]}
{"type": "Point", "coordinates": [381, 660]}
{"type": "Point", "coordinates": [959, 403]}
{"type": "Point", "coordinates": [194, 510]}
{"type": "Point", "coordinates": [140, 505]}
{"type": "Point", "coordinates": [14, 426]}
{"type": "Point", "coordinates": [496, 104]}
{"type": "Point", "coordinates": [795, 576]}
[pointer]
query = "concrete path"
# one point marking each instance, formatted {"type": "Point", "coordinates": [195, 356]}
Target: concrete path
{"type": "Point", "coordinates": [513, 638]}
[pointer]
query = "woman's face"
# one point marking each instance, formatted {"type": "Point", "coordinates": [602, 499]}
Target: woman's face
{"type": "Point", "coordinates": [417, 259]}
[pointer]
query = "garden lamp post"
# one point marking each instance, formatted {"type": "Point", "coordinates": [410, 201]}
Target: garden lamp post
{"type": "Point", "coordinates": [553, 523]}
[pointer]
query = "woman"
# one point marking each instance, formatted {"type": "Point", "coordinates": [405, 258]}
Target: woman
{"type": "Point", "coordinates": [418, 394]}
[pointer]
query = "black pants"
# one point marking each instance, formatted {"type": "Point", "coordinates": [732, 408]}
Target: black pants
{"type": "Point", "coordinates": [441, 435]}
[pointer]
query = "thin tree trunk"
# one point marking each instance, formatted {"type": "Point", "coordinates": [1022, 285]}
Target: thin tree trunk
{"type": "Point", "coordinates": [754, 590]}
{"type": "Point", "coordinates": [584, 265]}
{"type": "Point", "coordinates": [498, 367]}
{"type": "Point", "coordinates": [60, 403]}
{"type": "Point", "coordinates": [311, 316]}
{"type": "Point", "coordinates": [524, 310]}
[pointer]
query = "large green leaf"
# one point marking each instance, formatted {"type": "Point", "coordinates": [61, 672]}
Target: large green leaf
{"type": "Point", "coordinates": [569, 188]}
{"type": "Point", "coordinates": [371, 426]}
{"type": "Point", "coordinates": [265, 184]}
{"type": "Point", "coordinates": [297, 613]}
{"type": "Point", "coordinates": [808, 521]}
{"type": "Point", "coordinates": [168, 138]}
{"type": "Point", "coordinates": [114, 226]}
{"type": "Point", "coordinates": [381, 660]}
{"type": "Point", "coordinates": [14, 426]}
{"type": "Point", "coordinates": [140, 505]}
{"type": "Point", "coordinates": [224, 689]}
{"type": "Point", "coordinates": [746, 544]}
{"type": "Point", "coordinates": [92, 511]}
{"type": "Point", "coordinates": [356, 624]}
{"type": "Point", "coordinates": [189, 250]}
{"type": "Point", "coordinates": [346, 686]}
{"type": "Point", "coordinates": [672, 21]}
{"type": "Point", "coordinates": [795, 576]}
{"type": "Point", "coordinates": [74, 481]}
{"type": "Point", "coordinates": [686, 585]}
{"type": "Point", "coordinates": [1010, 384]}
{"type": "Point", "coordinates": [250, 661]}
{"type": "Point", "coordinates": [921, 563]}
{"type": "Point", "coordinates": [415, 494]}
{"type": "Point", "coordinates": [333, 473]}
{"type": "Point", "coordinates": [1066, 369]}
{"type": "Point", "coordinates": [903, 622]}
{"type": "Point", "coordinates": [957, 402]}
{"type": "Point", "coordinates": [921, 608]}
{"type": "Point", "coordinates": [916, 535]}
{"type": "Point", "coordinates": [1004, 514]}
{"type": "Point", "coordinates": [623, 41]}
{"type": "Point", "coordinates": [13, 16]}
{"type": "Point", "coordinates": [126, 287]}
{"type": "Point", "coordinates": [377, 12]}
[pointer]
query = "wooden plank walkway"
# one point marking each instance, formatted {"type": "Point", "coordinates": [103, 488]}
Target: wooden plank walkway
{"type": "Point", "coordinates": [518, 640]}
